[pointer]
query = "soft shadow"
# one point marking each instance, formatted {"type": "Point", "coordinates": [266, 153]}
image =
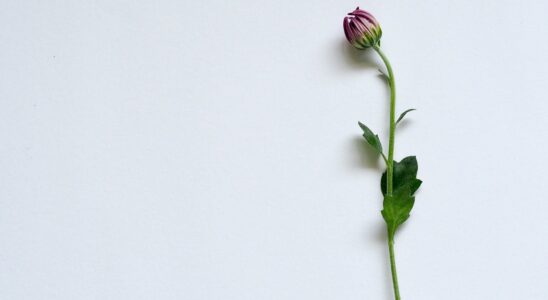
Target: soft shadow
{"type": "Point", "coordinates": [381, 236]}
{"type": "Point", "coordinates": [368, 157]}
{"type": "Point", "coordinates": [403, 124]}
{"type": "Point", "coordinates": [358, 59]}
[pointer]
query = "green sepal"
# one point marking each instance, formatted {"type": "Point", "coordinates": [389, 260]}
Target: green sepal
{"type": "Point", "coordinates": [371, 138]}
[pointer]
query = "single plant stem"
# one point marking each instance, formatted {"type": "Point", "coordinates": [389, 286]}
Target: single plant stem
{"type": "Point", "coordinates": [392, 84]}
{"type": "Point", "coordinates": [393, 266]}
{"type": "Point", "coordinates": [390, 165]}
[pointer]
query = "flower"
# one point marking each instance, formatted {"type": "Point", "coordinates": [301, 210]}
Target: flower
{"type": "Point", "coordinates": [362, 30]}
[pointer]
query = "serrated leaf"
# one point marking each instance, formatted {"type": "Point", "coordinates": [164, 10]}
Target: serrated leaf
{"type": "Point", "coordinates": [405, 172]}
{"type": "Point", "coordinates": [371, 138]}
{"type": "Point", "coordinates": [396, 207]}
{"type": "Point", "coordinates": [403, 114]}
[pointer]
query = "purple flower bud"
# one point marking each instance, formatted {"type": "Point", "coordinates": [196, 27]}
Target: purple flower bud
{"type": "Point", "coordinates": [362, 29]}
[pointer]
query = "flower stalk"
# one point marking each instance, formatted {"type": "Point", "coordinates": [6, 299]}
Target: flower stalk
{"type": "Point", "coordinates": [390, 164]}
{"type": "Point", "coordinates": [399, 183]}
{"type": "Point", "coordinates": [392, 137]}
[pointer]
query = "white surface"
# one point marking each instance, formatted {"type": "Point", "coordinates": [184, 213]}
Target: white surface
{"type": "Point", "coordinates": [210, 150]}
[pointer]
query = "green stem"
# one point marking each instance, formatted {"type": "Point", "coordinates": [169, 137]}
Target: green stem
{"type": "Point", "coordinates": [393, 266]}
{"type": "Point", "coordinates": [390, 164]}
{"type": "Point", "coordinates": [392, 84]}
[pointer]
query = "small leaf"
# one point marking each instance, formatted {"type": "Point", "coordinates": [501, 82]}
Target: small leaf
{"type": "Point", "coordinates": [371, 138]}
{"type": "Point", "coordinates": [403, 114]}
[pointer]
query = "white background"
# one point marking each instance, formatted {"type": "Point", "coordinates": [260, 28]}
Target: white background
{"type": "Point", "coordinates": [209, 150]}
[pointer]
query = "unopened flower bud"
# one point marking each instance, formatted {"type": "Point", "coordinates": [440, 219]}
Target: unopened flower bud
{"type": "Point", "coordinates": [362, 29]}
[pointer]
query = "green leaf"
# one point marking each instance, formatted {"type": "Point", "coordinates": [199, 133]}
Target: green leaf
{"type": "Point", "coordinates": [371, 138]}
{"type": "Point", "coordinates": [405, 173]}
{"type": "Point", "coordinates": [403, 114]}
{"type": "Point", "coordinates": [396, 207]}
